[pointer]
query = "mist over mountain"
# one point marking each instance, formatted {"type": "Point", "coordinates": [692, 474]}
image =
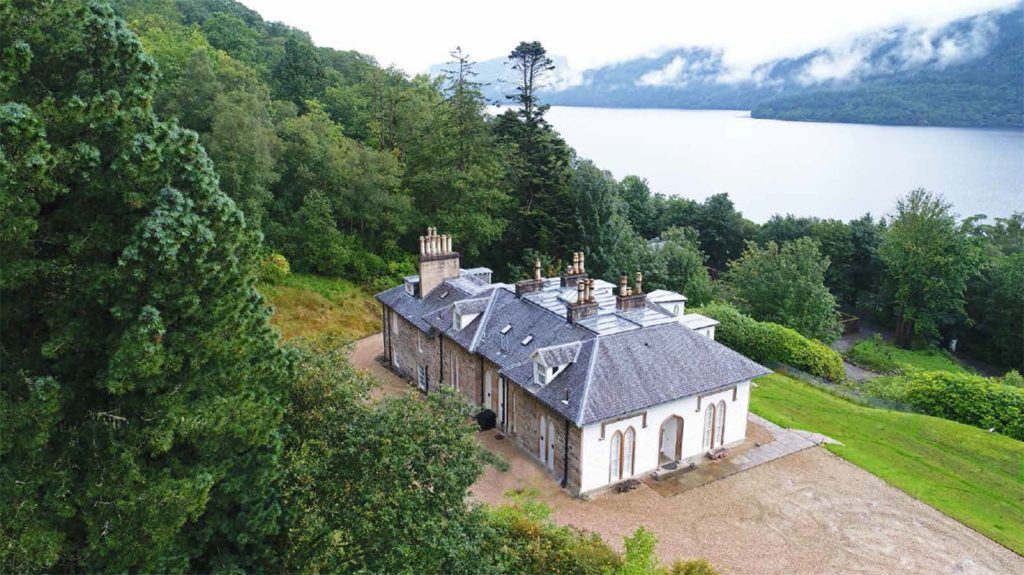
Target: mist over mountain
{"type": "Point", "coordinates": [969, 72]}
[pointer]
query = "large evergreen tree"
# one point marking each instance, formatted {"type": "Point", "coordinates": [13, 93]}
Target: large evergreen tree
{"type": "Point", "coordinates": [538, 162]}
{"type": "Point", "coordinates": [142, 383]}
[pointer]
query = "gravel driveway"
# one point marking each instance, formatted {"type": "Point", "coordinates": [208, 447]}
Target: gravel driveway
{"type": "Point", "coordinates": [808, 513]}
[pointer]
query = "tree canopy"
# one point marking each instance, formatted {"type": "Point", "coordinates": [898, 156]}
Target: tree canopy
{"type": "Point", "coordinates": [786, 285]}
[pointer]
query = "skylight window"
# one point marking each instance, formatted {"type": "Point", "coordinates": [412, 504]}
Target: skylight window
{"type": "Point", "coordinates": [444, 295]}
{"type": "Point", "coordinates": [506, 329]}
{"type": "Point", "coordinates": [527, 339]}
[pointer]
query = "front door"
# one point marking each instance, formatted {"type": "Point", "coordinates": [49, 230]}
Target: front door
{"type": "Point", "coordinates": [671, 448]}
{"type": "Point", "coordinates": [542, 446]}
{"type": "Point", "coordinates": [551, 444]}
{"type": "Point", "coordinates": [502, 397]}
{"type": "Point", "coordinates": [487, 390]}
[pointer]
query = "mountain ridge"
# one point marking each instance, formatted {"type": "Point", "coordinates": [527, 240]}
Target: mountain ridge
{"type": "Point", "coordinates": [969, 72]}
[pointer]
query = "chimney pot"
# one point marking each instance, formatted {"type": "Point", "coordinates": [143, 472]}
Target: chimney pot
{"type": "Point", "coordinates": [639, 282]}
{"type": "Point", "coordinates": [536, 269]}
{"type": "Point", "coordinates": [583, 269]}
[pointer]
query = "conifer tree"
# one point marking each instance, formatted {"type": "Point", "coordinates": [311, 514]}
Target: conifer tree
{"type": "Point", "coordinates": [141, 382]}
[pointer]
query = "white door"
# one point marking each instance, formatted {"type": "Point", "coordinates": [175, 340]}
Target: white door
{"type": "Point", "coordinates": [502, 395]}
{"type": "Point", "coordinates": [487, 390]}
{"type": "Point", "coordinates": [551, 445]}
{"type": "Point", "coordinates": [542, 450]}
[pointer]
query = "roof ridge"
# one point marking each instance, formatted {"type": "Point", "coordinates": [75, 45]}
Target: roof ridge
{"type": "Point", "coordinates": [483, 321]}
{"type": "Point", "coordinates": [586, 382]}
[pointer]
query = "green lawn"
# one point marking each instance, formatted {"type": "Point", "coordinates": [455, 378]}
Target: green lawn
{"type": "Point", "coordinates": [971, 475]}
{"type": "Point", "coordinates": [875, 353]}
{"type": "Point", "coordinates": [309, 305]}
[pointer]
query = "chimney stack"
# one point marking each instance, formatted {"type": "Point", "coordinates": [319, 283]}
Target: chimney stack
{"type": "Point", "coordinates": [524, 287]}
{"type": "Point", "coordinates": [585, 305]}
{"type": "Point", "coordinates": [437, 261]}
{"type": "Point", "coordinates": [628, 298]}
{"type": "Point", "coordinates": [574, 273]}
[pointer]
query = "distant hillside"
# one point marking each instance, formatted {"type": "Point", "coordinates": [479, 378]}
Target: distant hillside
{"type": "Point", "coordinates": [967, 73]}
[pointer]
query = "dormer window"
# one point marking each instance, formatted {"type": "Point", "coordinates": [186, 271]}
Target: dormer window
{"type": "Point", "coordinates": [464, 312]}
{"type": "Point", "coordinates": [548, 362]}
{"type": "Point", "coordinates": [541, 375]}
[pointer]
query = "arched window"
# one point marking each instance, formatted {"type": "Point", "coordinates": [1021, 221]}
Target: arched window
{"type": "Point", "coordinates": [709, 428]}
{"type": "Point", "coordinates": [720, 423]}
{"type": "Point", "coordinates": [629, 442]}
{"type": "Point", "coordinates": [615, 462]}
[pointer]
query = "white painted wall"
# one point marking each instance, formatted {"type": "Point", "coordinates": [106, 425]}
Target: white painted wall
{"type": "Point", "coordinates": [596, 452]}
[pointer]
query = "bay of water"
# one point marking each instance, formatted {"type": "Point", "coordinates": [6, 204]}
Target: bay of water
{"type": "Point", "coordinates": [804, 168]}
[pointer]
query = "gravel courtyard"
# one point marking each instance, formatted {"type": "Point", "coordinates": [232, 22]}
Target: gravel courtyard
{"type": "Point", "coordinates": [810, 512]}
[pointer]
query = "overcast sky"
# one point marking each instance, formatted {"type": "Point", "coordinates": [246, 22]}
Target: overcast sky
{"type": "Point", "coordinates": [415, 34]}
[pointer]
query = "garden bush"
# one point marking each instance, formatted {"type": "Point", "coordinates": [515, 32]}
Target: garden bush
{"type": "Point", "coordinates": [274, 268]}
{"type": "Point", "coordinates": [767, 342]}
{"type": "Point", "coordinates": [979, 401]}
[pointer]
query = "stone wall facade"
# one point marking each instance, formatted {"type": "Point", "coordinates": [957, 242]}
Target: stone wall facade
{"type": "Point", "coordinates": [524, 427]}
{"type": "Point", "coordinates": [414, 350]}
{"type": "Point", "coordinates": [445, 362]}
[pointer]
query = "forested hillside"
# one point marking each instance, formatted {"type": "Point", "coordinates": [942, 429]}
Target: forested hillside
{"type": "Point", "coordinates": [986, 91]}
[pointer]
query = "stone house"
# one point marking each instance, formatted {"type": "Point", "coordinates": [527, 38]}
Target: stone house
{"type": "Point", "coordinates": [598, 387]}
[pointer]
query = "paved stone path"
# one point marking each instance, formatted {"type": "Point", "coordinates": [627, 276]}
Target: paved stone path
{"type": "Point", "coordinates": [783, 442]}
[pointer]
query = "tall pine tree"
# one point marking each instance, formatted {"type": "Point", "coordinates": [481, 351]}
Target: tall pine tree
{"type": "Point", "coordinates": [539, 162]}
{"type": "Point", "coordinates": [141, 383]}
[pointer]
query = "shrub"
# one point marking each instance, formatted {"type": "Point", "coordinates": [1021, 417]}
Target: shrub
{"type": "Point", "coordinates": [526, 541]}
{"type": "Point", "coordinates": [692, 567]}
{"type": "Point", "coordinates": [767, 342]}
{"type": "Point", "coordinates": [1013, 378]}
{"type": "Point", "coordinates": [274, 268]}
{"type": "Point", "coordinates": [979, 401]}
{"type": "Point", "coordinates": [879, 355]}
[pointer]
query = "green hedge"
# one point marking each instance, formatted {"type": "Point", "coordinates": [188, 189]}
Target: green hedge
{"type": "Point", "coordinates": [979, 401]}
{"type": "Point", "coordinates": [765, 341]}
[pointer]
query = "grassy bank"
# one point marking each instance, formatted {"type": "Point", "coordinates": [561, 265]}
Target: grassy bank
{"type": "Point", "coordinates": [971, 475]}
{"type": "Point", "coordinates": [877, 354]}
{"type": "Point", "coordinates": [308, 305]}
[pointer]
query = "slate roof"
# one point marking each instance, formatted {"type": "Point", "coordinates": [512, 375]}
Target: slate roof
{"type": "Point", "coordinates": [620, 361]}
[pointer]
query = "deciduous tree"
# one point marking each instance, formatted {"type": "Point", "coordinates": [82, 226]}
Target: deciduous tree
{"type": "Point", "coordinates": [787, 286]}
{"type": "Point", "coordinates": [928, 260]}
